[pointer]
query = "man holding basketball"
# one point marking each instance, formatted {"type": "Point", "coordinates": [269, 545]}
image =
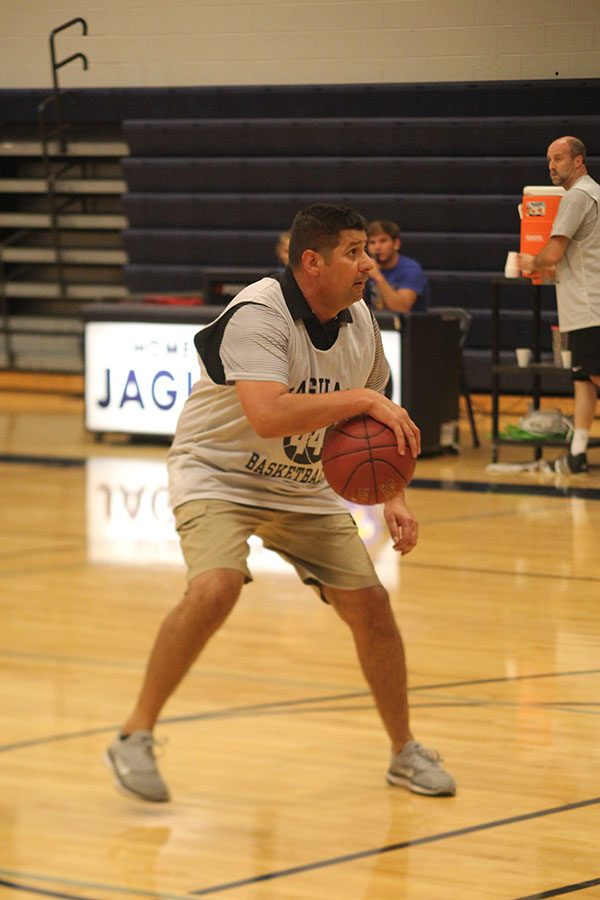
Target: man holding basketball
{"type": "Point", "coordinates": [289, 356]}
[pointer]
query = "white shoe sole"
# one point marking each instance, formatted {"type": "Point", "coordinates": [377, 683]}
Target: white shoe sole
{"type": "Point", "coordinates": [123, 789]}
{"type": "Point", "coordinates": [402, 781]}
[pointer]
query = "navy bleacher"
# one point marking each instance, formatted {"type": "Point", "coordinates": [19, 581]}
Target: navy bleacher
{"type": "Point", "coordinates": [209, 194]}
{"type": "Point", "coordinates": [318, 174]}
{"type": "Point", "coordinates": [420, 212]}
{"type": "Point", "coordinates": [376, 136]}
{"type": "Point", "coordinates": [557, 99]}
{"type": "Point", "coordinates": [434, 250]}
{"type": "Point", "coordinates": [215, 173]}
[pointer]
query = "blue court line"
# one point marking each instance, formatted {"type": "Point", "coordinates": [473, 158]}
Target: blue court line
{"type": "Point", "coordinates": [567, 889]}
{"type": "Point", "coordinates": [286, 705]}
{"type": "Point", "coordinates": [391, 848]}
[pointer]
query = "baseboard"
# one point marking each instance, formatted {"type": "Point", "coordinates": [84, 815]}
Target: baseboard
{"type": "Point", "coordinates": [42, 382]}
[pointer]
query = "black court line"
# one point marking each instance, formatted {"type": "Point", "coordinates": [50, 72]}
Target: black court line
{"type": "Point", "coordinates": [505, 678]}
{"type": "Point", "coordinates": [568, 703]}
{"type": "Point", "coordinates": [215, 714]}
{"type": "Point", "coordinates": [506, 573]}
{"type": "Point", "coordinates": [575, 709]}
{"type": "Point", "coordinates": [391, 848]}
{"type": "Point", "coordinates": [258, 708]}
{"type": "Point", "coordinates": [88, 887]}
{"type": "Point", "coordinates": [496, 487]}
{"type": "Point", "coordinates": [567, 889]}
{"type": "Point", "coordinates": [437, 484]}
{"type": "Point", "coordinates": [44, 892]}
{"type": "Point", "coordinates": [58, 462]}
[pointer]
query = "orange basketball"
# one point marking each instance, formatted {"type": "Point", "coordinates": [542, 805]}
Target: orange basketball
{"type": "Point", "coordinates": [361, 461]}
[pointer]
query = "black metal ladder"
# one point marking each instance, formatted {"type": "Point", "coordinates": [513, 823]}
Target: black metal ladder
{"type": "Point", "coordinates": [57, 129]}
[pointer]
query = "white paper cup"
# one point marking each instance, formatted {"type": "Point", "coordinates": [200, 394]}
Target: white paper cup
{"type": "Point", "coordinates": [566, 358]}
{"type": "Point", "coordinates": [511, 267]}
{"type": "Point", "coordinates": [523, 356]}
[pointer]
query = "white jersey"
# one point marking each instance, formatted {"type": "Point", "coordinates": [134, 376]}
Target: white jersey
{"type": "Point", "coordinates": [578, 272]}
{"type": "Point", "coordinates": [262, 336]}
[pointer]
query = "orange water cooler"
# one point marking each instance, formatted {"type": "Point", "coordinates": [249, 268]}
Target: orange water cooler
{"type": "Point", "coordinates": [538, 211]}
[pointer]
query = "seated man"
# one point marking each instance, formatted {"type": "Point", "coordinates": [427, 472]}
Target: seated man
{"type": "Point", "coordinates": [396, 282]}
{"type": "Point", "coordinates": [282, 248]}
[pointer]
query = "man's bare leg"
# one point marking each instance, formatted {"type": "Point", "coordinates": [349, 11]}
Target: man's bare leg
{"type": "Point", "coordinates": [209, 599]}
{"type": "Point", "coordinates": [380, 652]}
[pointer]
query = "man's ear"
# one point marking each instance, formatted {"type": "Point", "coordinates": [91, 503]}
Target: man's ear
{"type": "Point", "coordinates": [397, 244]}
{"type": "Point", "coordinates": [312, 262]}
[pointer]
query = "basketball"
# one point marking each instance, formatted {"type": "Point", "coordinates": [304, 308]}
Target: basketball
{"type": "Point", "coordinates": [361, 461]}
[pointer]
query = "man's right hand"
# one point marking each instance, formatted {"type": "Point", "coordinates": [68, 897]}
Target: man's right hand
{"type": "Point", "coordinates": [397, 418]}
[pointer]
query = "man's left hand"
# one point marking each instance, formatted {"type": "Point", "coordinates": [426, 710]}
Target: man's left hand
{"type": "Point", "coordinates": [402, 525]}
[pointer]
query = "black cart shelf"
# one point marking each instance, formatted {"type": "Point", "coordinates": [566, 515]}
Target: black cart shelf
{"type": "Point", "coordinates": [533, 378]}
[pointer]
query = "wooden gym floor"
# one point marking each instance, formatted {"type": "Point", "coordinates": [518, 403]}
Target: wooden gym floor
{"type": "Point", "coordinates": [275, 756]}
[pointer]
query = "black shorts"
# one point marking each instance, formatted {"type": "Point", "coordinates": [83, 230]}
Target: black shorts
{"type": "Point", "coordinates": [584, 344]}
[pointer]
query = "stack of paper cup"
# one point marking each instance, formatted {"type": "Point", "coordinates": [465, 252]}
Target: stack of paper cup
{"type": "Point", "coordinates": [560, 342]}
{"type": "Point", "coordinates": [523, 356]}
{"type": "Point", "coordinates": [511, 267]}
{"type": "Point", "coordinates": [566, 359]}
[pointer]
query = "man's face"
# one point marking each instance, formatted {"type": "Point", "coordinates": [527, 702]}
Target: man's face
{"type": "Point", "coordinates": [345, 270]}
{"type": "Point", "coordinates": [384, 248]}
{"type": "Point", "coordinates": [564, 168]}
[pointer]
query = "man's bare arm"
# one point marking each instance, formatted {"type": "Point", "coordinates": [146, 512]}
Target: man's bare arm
{"type": "Point", "coordinates": [273, 411]}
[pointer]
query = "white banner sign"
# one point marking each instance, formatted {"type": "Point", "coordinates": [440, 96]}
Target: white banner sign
{"type": "Point", "coordinates": [139, 374]}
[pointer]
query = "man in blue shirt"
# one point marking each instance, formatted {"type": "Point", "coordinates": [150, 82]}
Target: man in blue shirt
{"type": "Point", "coordinates": [396, 282]}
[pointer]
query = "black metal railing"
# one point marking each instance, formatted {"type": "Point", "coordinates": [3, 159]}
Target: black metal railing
{"type": "Point", "coordinates": [56, 97]}
{"type": "Point", "coordinates": [55, 165]}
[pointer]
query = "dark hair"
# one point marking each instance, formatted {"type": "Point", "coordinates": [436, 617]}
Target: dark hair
{"type": "Point", "coordinates": [383, 226]}
{"type": "Point", "coordinates": [318, 228]}
{"type": "Point", "coordinates": [576, 147]}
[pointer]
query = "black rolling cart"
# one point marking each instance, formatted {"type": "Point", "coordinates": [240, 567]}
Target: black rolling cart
{"type": "Point", "coordinates": [534, 378]}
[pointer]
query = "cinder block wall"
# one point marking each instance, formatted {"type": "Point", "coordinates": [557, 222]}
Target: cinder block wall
{"type": "Point", "coordinates": [247, 42]}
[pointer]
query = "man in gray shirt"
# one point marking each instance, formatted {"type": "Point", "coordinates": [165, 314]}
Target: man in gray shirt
{"type": "Point", "coordinates": [290, 355]}
{"type": "Point", "coordinates": [573, 255]}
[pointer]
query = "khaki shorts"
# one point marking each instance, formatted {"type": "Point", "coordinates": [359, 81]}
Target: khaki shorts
{"type": "Point", "coordinates": [324, 549]}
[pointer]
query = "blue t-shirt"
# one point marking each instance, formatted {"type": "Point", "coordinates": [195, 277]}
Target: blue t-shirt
{"type": "Point", "coordinates": [407, 273]}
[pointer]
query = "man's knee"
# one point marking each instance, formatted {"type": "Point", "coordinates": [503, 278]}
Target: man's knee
{"type": "Point", "coordinates": [369, 606]}
{"type": "Point", "coordinates": [213, 594]}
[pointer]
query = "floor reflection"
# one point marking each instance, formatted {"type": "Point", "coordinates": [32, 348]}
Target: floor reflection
{"type": "Point", "coordinates": [129, 520]}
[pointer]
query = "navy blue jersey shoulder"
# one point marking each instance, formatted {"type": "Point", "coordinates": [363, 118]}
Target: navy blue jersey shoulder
{"type": "Point", "coordinates": [322, 335]}
{"type": "Point", "coordinates": [208, 343]}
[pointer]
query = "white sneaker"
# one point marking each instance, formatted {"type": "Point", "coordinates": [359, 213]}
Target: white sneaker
{"type": "Point", "coordinates": [418, 769]}
{"type": "Point", "coordinates": [134, 767]}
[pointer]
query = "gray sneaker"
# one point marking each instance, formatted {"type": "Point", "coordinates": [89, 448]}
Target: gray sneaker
{"type": "Point", "coordinates": [418, 769]}
{"type": "Point", "coordinates": [134, 767]}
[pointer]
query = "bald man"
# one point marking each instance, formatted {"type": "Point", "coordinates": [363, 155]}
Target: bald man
{"type": "Point", "coordinates": [572, 256]}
